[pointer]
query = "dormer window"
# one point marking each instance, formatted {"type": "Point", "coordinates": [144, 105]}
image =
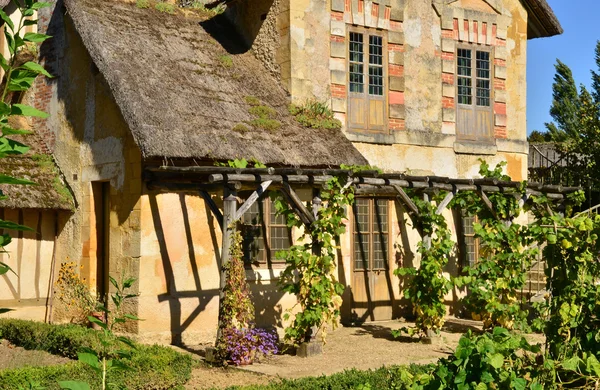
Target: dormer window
{"type": "Point", "coordinates": [366, 69]}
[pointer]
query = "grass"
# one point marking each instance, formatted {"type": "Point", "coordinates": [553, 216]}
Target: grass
{"type": "Point", "coordinates": [226, 61]}
{"type": "Point", "coordinates": [142, 4]}
{"type": "Point", "coordinates": [315, 114]}
{"type": "Point", "coordinates": [252, 101]}
{"type": "Point", "coordinates": [46, 163]}
{"type": "Point", "coordinates": [265, 116]}
{"type": "Point", "coordinates": [165, 7]}
{"type": "Point", "coordinates": [240, 128]}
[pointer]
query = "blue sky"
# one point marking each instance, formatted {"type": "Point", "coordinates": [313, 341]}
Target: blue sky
{"type": "Point", "coordinates": [575, 48]}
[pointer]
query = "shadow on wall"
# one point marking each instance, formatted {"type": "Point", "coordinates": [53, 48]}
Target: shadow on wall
{"type": "Point", "coordinates": [265, 296]}
{"type": "Point", "coordinates": [237, 28]}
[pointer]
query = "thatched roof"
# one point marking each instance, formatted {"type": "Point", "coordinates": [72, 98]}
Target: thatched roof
{"type": "Point", "coordinates": [542, 21]}
{"type": "Point", "coordinates": [183, 94]}
{"type": "Point", "coordinates": [48, 193]}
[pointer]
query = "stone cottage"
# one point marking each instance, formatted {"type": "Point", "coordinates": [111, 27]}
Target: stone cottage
{"type": "Point", "coordinates": [425, 88]}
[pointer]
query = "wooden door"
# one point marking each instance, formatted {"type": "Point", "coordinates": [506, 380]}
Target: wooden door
{"type": "Point", "coordinates": [372, 294]}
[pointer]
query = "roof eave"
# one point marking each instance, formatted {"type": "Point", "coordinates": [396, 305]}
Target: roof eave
{"type": "Point", "coordinates": [542, 22]}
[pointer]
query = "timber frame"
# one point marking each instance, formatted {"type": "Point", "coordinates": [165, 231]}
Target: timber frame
{"type": "Point", "coordinates": [205, 179]}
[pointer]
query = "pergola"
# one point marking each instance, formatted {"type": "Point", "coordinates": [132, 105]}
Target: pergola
{"type": "Point", "coordinates": [207, 179]}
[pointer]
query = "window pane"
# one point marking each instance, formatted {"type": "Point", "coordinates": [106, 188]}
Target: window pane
{"type": "Point", "coordinates": [380, 255]}
{"type": "Point", "coordinates": [464, 90]}
{"type": "Point", "coordinates": [361, 251]}
{"type": "Point", "coordinates": [380, 218]}
{"type": "Point", "coordinates": [483, 79]}
{"type": "Point", "coordinates": [470, 253]}
{"type": "Point", "coordinates": [361, 215]}
{"type": "Point", "coordinates": [253, 244]}
{"type": "Point", "coordinates": [375, 65]}
{"type": "Point", "coordinates": [356, 57]}
{"type": "Point", "coordinates": [280, 240]}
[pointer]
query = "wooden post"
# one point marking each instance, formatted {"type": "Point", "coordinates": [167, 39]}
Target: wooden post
{"type": "Point", "coordinates": [229, 210]}
{"type": "Point", "coordinates": [426, 238]}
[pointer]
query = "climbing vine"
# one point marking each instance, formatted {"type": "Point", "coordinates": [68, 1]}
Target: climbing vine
{"type": "Point", "coordinates": [495, 282]}
{"type": "Point", "coordinates": [427, 285]}
{"type": "Point", "coordinates": [571, 312]}
{"type": "Point", "coordinates": [310, 266]}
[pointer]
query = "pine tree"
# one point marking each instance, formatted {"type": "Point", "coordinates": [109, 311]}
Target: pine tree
{"type": "Point", "coordinates": [596, 76]}
{"type": "Point", "coordinates": [565, 105]}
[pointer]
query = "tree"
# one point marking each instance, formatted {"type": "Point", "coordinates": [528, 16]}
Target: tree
{"type": "Point", "coordinates": [537, 136]}
{"type": "Point", "coordinates": [17, 78]}
{"type": "Point", "coordinates": [596, 76]}
{"type": "Point", "coordinates": [565, 105]}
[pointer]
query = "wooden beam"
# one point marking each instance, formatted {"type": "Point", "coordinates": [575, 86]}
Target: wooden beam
{"type": "Point", "coordinates": [303, 218]}
{"type": "Point", "coordinates": [295, 200]}
{"type": "Point", "coordinates": [412, 207]}
{"type": "Point", "coordinates": [252, 199]}
{"type": "Point", "coordinates": [487, 203]}
{"type": "Point", "coordinates": [188, 187]}
{"type": "Point", "coordinates": [213, 207]}
{"type": "Point", "coordinates": [445, 203]}
{"type": "Point", "coordinates": [426, 238]}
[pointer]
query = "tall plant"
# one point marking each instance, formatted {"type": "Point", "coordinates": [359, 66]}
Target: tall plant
{"type": "Point", "coordinates": [427, 285]}
{"type": "Point", "coordinates": [17, 78]}
{"type": "Point", "coordinates": [572, 309]}
{"type": "Point", "coordinates": [310, 267]}
{"type": "Point", "coordinates": [497, 278]}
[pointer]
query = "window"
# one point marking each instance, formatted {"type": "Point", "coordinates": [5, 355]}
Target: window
{"type": "Point", "coordinates": [470, 244]}
{"type": "Point", "coordinates": [371, 234]}
{"type": "Point", "coordinates": [474, 95]}
{"type": "Point", "coordinates": [259, 222]}
{"type": "Point", "coordinates": [366, 69]}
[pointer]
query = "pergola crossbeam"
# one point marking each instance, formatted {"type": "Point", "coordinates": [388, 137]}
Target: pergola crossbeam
{"type": "Point", "coordinates": [252, 199]}
{"type": "Point", "coordinates": [302, 211]}
{"type": "Point", "coordinates": [213, 207]}
{"type": "Point", "coordinates": [406, 200]}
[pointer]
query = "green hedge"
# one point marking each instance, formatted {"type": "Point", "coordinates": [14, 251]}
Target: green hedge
{"type": "Point", "coordinates": [153, 367]}
{"type": "Point", "coordinates": [395, 377]}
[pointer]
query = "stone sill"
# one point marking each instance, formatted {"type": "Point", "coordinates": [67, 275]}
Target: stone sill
{"type": "Point", "coordinates": [259, 275]}
{"type": "Point", "coordinates": [479, 148]}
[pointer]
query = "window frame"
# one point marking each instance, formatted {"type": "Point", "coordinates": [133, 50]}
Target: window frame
{"type": "Point", "coordinates": [471, 134]}
{"type": "Point", "coordinates": [267, 260]}
{"type": "Point", "coordinates": [371, 233]}
{"type": "Point", "coordinates": [464, 258]}
{"type": "Point", "coordinates": [367, 32]}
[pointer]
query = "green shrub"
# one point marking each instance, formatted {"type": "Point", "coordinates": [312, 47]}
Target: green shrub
{"type": "Point", "coordinates": [226, 61]}
{"type": "Point", "coordinates": [252, 101]}
{"type": "Point", "coordinates": [395, 377]}
{"type": "Point", "coordinates": [315, 114]}
{"type": "Point", "coordinates": [267, 124]}
{"type": "Point", "coordinates": [263, 112]}
{"type": "Point", "coordinates": [153, 367]}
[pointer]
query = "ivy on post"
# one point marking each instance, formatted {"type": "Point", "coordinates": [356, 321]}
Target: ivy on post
{"type": "Point", "coordinates": [427, 285]}
{"type": "Point", "coordinates": [310, 265]}
{"type": "Point", "coordinates": [229, 211]}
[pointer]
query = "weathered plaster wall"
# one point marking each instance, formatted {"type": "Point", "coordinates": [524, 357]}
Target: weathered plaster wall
{"type": "Point", "coordinates": [179, 283]}
{"type": "Point", "coordinates": [30, 257]}
{"type": "Point", "coordinates": [92, 144]}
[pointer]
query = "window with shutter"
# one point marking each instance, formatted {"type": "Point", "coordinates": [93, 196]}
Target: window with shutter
{"type": "Point", "coordinates": [366, 68]}
{"type": "Point", "coordinates": [474, 116]}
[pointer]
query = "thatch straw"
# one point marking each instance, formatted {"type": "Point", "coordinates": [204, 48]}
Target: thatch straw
{"type": "Point", "coordinates": [183, 95]}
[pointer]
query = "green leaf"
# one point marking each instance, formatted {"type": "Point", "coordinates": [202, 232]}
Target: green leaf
{"type": "Point", "coordinates": [572, 364]}
{"type": "Point", "coordinates": [14, 226]}
{"type": "Point", "coordinates": [127, 342]}
{"type": "Point", "coordinates": [37, 68]}
{"type": "Point", "coordinates": [132, 317]}
{"type": "Point", "coordinates": [10, 131]}
{"type": "Point", "coordinates": [10, 147]}
{"type": "Point", "coordinates": [497, 360]}
{"type": "Point", "coordinates": [91, 359]}
{"type": "Point", "coordinates": [4, 179]}
{"type": "Point", "coordinates": [35, 37]}
{"type": "Point", "coordinates": [74, 385]}
{"type": "Point", "coordinates": [593, 366]}
{"type": "Point", "coordinates": [40, 5]}
{"type": "Point", "coordinates": [96, 321]}
{"type": "Point", "coordinates": [24, 110]}
{"type": "Point", "coordinates": [7, 20]}
{"type": "Point", "coordinates": [518, 384]}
